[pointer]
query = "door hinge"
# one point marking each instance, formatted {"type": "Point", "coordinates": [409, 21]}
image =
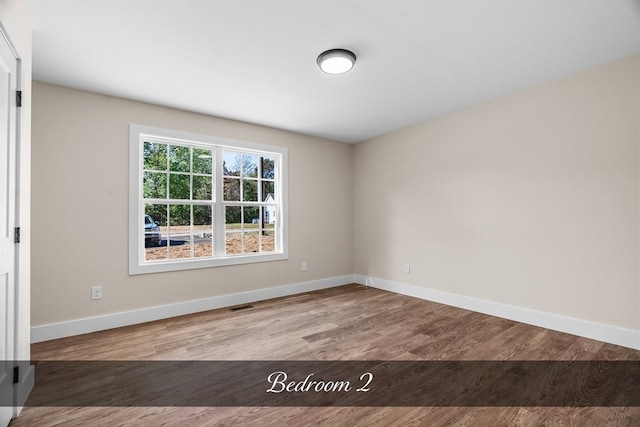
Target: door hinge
{"type": "Point", "coordinates": [19, 98]}
{"type": "Point", "coordinates": [16, 374]}
{"type": "Point", "coordinates": [16, 235]}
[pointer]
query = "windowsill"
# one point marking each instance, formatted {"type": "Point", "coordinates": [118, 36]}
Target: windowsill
{"type": "Point", "coordinates": [190, 264]}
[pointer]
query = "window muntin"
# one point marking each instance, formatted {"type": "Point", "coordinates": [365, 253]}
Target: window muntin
{"type": "Point", "coordinates": [211, 201]}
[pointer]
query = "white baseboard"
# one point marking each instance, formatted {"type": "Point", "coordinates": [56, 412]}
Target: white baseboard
{"type": "Point", "coordinates": [99, 323]}
{"type": "Point", "coordinates": [584, 328]}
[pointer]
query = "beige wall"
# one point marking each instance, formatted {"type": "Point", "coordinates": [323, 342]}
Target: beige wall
{"type": "Point", "coordinates": [80, 208]}
{"type": "Point", "coordinates": [531, 199]}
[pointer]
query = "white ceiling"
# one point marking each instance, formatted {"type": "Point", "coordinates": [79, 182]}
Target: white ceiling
{"type": "Point", "coordinates": [255, 60]}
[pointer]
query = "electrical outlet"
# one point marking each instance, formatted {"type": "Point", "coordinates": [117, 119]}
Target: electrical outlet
{"type": "Point", "coordinates": [407, 268]}
{"type": "Point", "coordinates": [303, 267]}
{"type": "Point", "coordinates": [96, 292]}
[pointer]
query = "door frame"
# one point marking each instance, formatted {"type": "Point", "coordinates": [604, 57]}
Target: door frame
{"type": "Point", "coordinates": [18, 391]}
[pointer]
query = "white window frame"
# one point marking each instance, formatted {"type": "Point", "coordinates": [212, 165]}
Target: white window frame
{"type": "Point", "coordinates": [137, 265]}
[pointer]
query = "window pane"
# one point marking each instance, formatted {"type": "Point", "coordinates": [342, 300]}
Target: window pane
{"type": "Point", "coordinates": [180, 216]}
{"type": "Point", "coordinates": [268, 234]}
{"type": "Point", "coordinates": [233, 243]}
{"type": "Point", "coordinates": [249, 190]}
{"type": "Point", "coordinates": [179, 186]}
{"type": "Point", "coordinates": [202, 188]}
{"type": "Point", "coordinates": [155, 156]}
{"type": "Point", "coordinates": [269, 216]}
{"type": "Point", "coordinates": [155, 185]}
{"type": "Point", "coordinates": [202, 231]}
{"type": "Point", "coordinates": [268, 167]}
{"type": "Point", "coordinates": [251, 217]}
{"type": "Point", "coordinates": [233, 217]}
{"type": "Point", "coordinates": [268, 241]}
{"type": "Point", "coordinates": [268, 191]}
{"type": "Point", "coordinates": [179, 247]}
{"type": "Point", "coordinates": [202, 160]}
{"type": "Point", "coordinates": [249, 166]}
{"type": "Point", "coordinates": [233, 224]}
{"type": "Point", "coordinates": [179, 158]}
{"type": "Point", "coordinates": [251, 242]}
{"type": "Point", "coordinates": [155, 227]}
{"type": "Point", "coordinates": [232, 189]}
{"type": "Point", "coordinates": [179, 231]}
{"type": "Point", "coordinates": [231, 163]}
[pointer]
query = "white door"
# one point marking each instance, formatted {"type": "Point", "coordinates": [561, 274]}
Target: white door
{"type": "Point", "coordinates": [8, 76]}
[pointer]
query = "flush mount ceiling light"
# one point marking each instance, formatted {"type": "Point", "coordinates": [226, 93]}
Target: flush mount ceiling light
{"type": "Point", "coordinates": [336, 61]}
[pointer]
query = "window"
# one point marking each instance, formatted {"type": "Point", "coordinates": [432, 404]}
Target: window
{"type": "Point", "coordinates": [199, 201]}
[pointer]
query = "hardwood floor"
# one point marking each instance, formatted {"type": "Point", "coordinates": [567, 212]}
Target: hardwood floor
{"type": "Point", "coordinates": [345, 323]}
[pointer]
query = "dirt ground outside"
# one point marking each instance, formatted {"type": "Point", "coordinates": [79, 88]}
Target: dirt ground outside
{"type": "Point", "coordinates": [233, 245]}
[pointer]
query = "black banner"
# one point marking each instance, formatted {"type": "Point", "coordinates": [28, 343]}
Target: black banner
{"type": "Point", "coordinates": [335, 383]}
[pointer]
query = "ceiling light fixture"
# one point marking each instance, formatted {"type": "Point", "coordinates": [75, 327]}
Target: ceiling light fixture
{"type": "Point", "coordinates": [336, 61]}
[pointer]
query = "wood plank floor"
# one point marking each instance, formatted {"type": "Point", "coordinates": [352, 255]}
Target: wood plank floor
{"type": "Point", "coordinates": [345, 323]}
